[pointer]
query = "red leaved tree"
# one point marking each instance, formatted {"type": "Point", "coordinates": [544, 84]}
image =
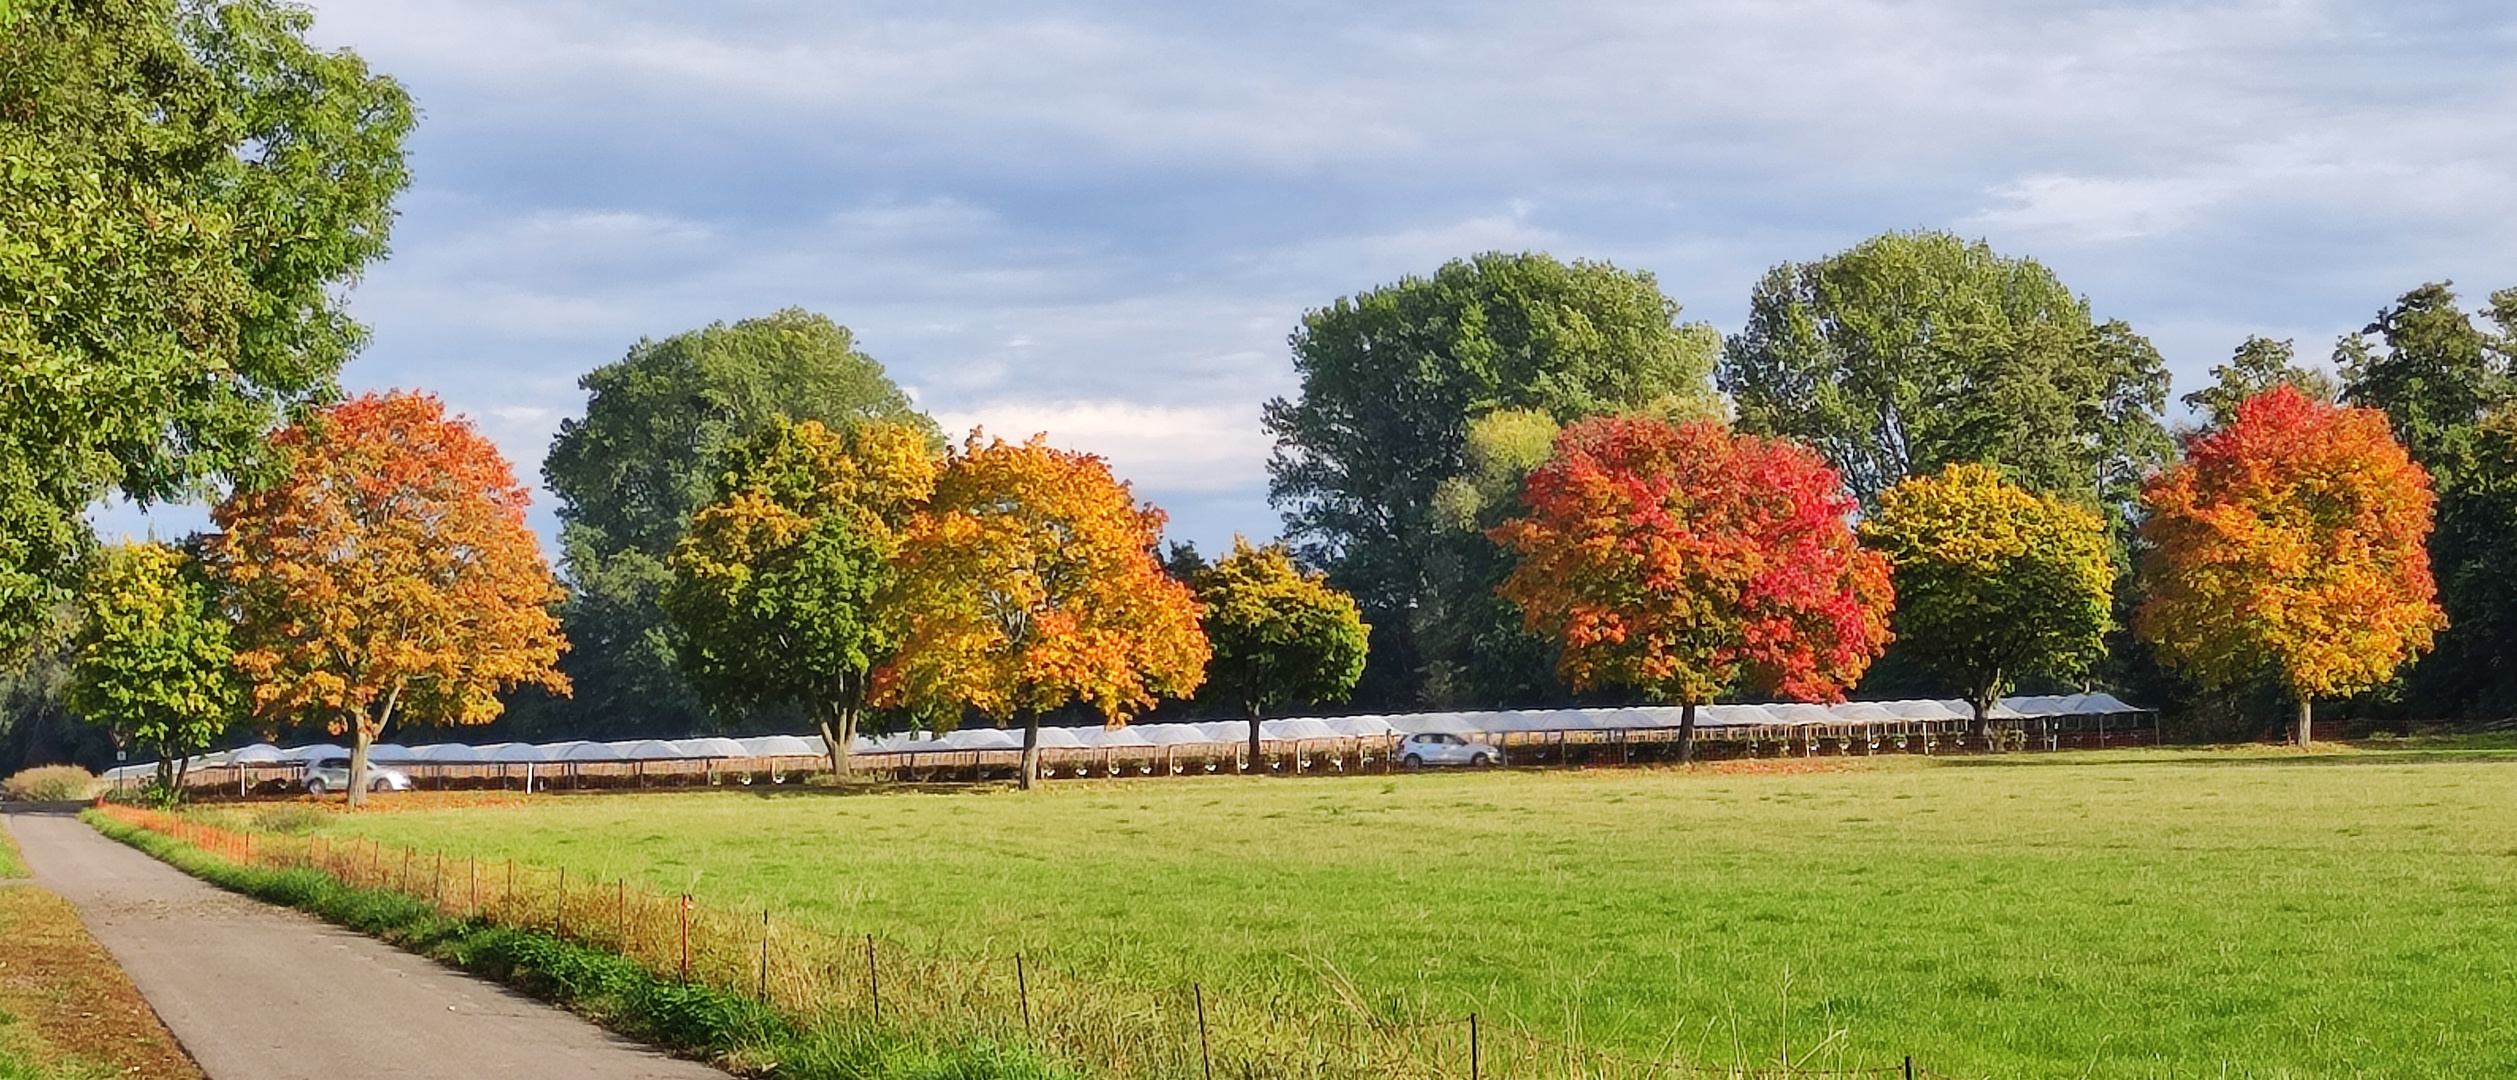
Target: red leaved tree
{"type": "Point", "coordinates": [1681, 560]}
{"type": "Point", "coordinates": [2291, 542]}
{"type": "Point", "coordinates": [388, 574]}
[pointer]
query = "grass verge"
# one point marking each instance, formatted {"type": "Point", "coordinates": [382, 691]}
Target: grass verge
{"type": "Point", "coordinates": [694, 1021]}
{"type": "Point", "coordinates": [67, 1012]}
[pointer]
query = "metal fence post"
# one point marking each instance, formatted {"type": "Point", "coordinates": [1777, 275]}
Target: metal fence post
{"type": "Point", "coordinates": [1909, 1067]}
{"type": "Point", "coordinates": [1473, 1054]}
{"type": "Point", "coordinates": [764, 954]}
{"type": "Point", "coordinates": [873, 978]}
{"type": "Point", "coordinates": [1022, 987]}
{"type": "Point", "coordinates": [1205, 1054]}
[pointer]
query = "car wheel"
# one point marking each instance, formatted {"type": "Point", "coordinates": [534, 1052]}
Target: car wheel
{"type": "Point", "coordinates": [378, 784]}
{"type": "Point", "coordinates": [314, 787]}
{"type": "Point", "coordinates": [1415, 762]}
{"type": "Point", "coordinates": [1480, 761]}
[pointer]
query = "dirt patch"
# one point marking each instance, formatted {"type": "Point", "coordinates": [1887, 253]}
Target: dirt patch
{"type": "Point", "coordinates": [56, 980]}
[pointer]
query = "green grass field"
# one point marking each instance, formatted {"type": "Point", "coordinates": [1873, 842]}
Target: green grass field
{"type": "Point", "coordinates": [2148, 914]}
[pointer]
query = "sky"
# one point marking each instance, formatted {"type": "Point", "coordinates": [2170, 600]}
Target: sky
{"type": "Point", "coordinates": [1102, 220]}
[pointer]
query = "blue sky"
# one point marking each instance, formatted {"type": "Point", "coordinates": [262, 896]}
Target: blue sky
{"type": "Point", "coordinates": [1103, 219]}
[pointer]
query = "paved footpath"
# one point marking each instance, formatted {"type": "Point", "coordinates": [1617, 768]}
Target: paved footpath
{"type": "Point", "coordinates": [256, 992]}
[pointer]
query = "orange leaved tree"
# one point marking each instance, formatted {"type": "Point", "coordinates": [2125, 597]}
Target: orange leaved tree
{"type": "Point", "coordinates": [1680, 560]}
{"type": "Point", "coordinates": [387, 574]}
{"type": "Point", "coordinates": [2292, 541]}
{"type": "Point", "coordinates": [1030, 582]}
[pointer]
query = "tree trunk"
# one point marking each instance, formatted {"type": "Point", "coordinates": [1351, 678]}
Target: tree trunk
{"type": "Point", "coordinates": [1254, 740]}
{"type": "Point", "coordinates": [1686, 733]}
{"type": "Point", "coordinates": [1982, 730]}
{"type": "Point", "coordinates": [2307, 722]}
{"type": "Point", "coordinates": [358, 763]}
{"type": "Point", "coordinates": [1031, 750]}
{"type": "Point", "coordinates": [358, 748]}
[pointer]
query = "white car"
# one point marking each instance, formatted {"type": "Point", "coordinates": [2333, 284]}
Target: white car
{"type": "Point", "coordinates": [333, 774]}
{"type": "Point", "coordinates": [1442, 748]}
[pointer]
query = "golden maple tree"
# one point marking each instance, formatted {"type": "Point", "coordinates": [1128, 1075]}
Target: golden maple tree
{"type": "Point", "coordinates": [1028, 583]}
{"type": "Point", "coordinates": [387, 574]}
{"type": "Point", "coordinates": [2292, 540]}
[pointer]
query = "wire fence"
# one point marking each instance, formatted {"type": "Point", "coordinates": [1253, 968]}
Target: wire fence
{"type": "Point", "coordinates": [1097, 1026]}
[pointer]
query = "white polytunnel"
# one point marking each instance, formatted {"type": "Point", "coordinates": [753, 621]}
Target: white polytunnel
{"type": "Point", "coordinates": [1542, 727]}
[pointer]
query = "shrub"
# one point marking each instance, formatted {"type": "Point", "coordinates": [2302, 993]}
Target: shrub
{"type": "Point", "coordinates": [51, 783]}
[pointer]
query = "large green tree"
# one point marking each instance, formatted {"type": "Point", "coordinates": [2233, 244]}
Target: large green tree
{"type": "Point", "coordinates": [1281, 638]}
{"type": "Point", "coordinates": [1911, 351]}
{"type": "Point", "coordinates": [778, 585]}
{"type": "Point", "coordinates": [1993, 582]}
{"type": "Point", "coordinates": [643, 459]}
{"type": "Point", "coordinates": [2449, 388]}
{"type": "Point", "coordinates": [155, 662]}
{"type": "Point", "coordinates": [1392, 378]}
{"type": "Point", "coordinates": [188, 190]}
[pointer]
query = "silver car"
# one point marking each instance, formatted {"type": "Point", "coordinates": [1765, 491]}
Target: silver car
{"type": "Point", "coordinates": [333, 774]}
{"type": "Point", "coordinates": [1443, 748]}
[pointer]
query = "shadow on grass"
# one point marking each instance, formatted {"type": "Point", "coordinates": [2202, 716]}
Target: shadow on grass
{"type": "Point", "coordinates": [2391, 752]}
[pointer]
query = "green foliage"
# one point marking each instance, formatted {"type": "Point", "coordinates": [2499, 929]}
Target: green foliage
{"type": "Point", "coordinates": [630, 474]}
{"type": "Point", "coordinates": [2449, 391]}
{"type": "Point", "coordinates": [1392, 378]}
{"type": "Point", "coordinates": [2433, 373]}
{"type": "Point", "coordinates": [1281, 638]}
{"type": "Point", "coordinates": [776, 585]}
{"type": "Point", "coordinates": [155, 663]}
{"type": "Point", "coordinates": [2258, 365]}
{"type": "Point", "coordinates": [1993, 582]}
{"type": "Point", "coordinates": [1911, 351]}
{"type": "Point", "coordinates": [187, 191]}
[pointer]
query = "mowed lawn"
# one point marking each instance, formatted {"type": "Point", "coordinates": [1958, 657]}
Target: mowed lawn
{"type": "Point", "coordinates": [2149, 914]}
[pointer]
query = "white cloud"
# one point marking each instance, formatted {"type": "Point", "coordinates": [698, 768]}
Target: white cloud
{"type": "Point", "coordinates": [1156, 448]}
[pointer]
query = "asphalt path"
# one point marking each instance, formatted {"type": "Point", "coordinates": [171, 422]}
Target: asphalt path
{"type": "Point", "coordinates": [256, 992]}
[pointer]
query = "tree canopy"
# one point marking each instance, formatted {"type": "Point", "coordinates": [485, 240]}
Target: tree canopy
{"type": "Point", "coordinates": [387, 574]}
{"type": "Point", "coordinates": [645, 457]}
{"type": "Point", "coordinates": [1682, 560]}
{"type": "Point", "coordinates": [154, 662]}
{"type": "Point", "coordinates": [777, 586]}
{"type": "Point", "coordinates": [1911, 351]}
{"type": "Point", "coordinates": [1280, 637]}
{"type": "Point", "coordinates": [1029, 582]}
{"type": "Point", "coordinates": [1392, 378]}
{"type": "Point", "coordinates": [2259, 364]}
{"type": "Point", "coordinates": [2290, 542]}
{"type": "Point", "coordinates": [1993, 582]}
{"type": "Point", "coordinates": [190, 189]}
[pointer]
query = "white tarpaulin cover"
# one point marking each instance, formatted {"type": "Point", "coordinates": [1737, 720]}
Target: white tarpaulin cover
{"type": "Point", "coordinates": [1222, 735]}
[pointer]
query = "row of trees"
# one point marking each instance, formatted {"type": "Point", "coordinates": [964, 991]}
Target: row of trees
{"type": "Point", "coordinates": [1426, 405]}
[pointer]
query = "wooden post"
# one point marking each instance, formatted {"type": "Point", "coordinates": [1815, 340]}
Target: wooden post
{"type": "Point", "coordinates": [685, 937]}
{"type": "Point", "coordinates": [620, 912]}
{"type": "Point", "coordinates": [764, 954]}
{"type": "Point", "coordinates": [507, 902]}
{"type": "Point", "coordinates": [473, 908]}
{"type": "Point", "coordinates": [1204, 1054]}
{"type": "Point", "coordinates": [404, 885]}
{"type": "Point", "coordinates": [559, 908]}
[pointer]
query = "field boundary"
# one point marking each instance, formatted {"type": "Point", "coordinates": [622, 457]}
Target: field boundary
{"type": "Point", "coordinates": [817, 980]}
